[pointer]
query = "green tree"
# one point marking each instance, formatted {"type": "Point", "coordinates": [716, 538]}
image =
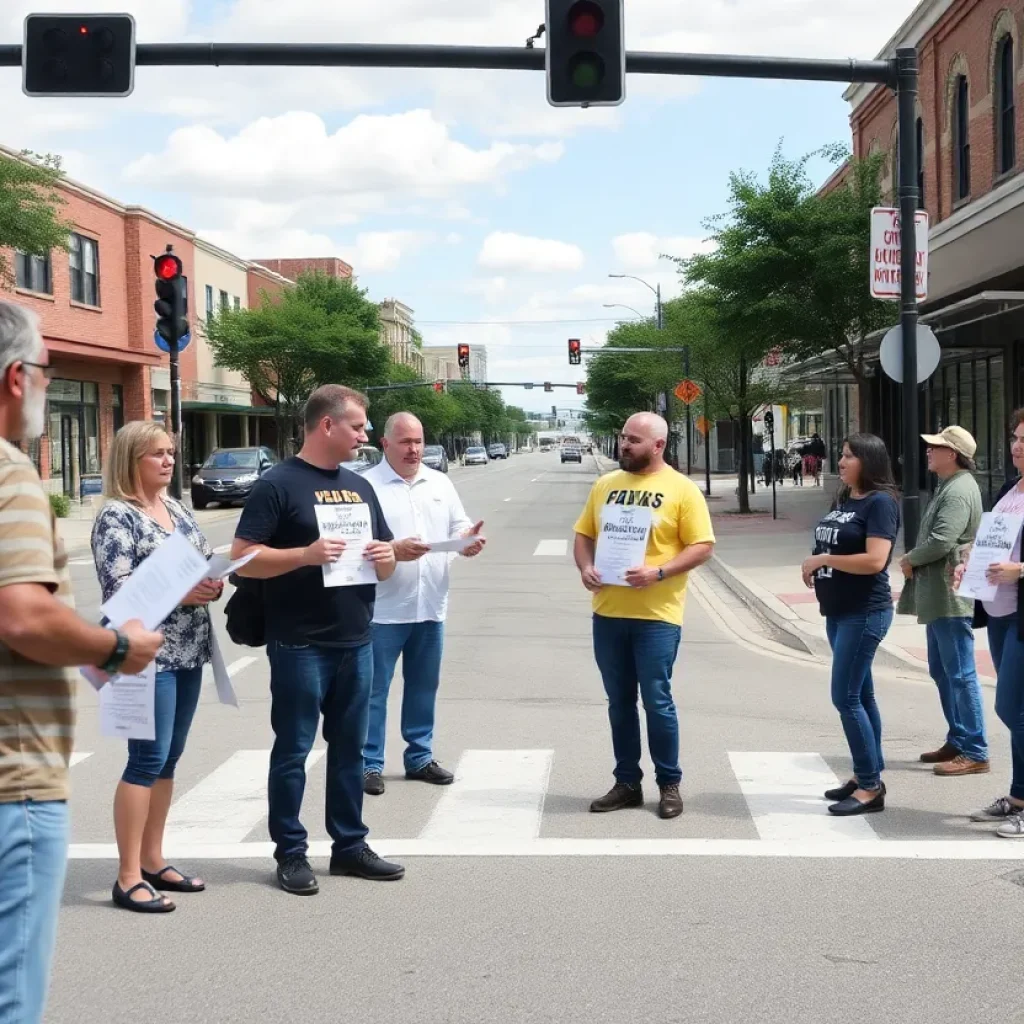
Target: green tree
{"type": "Point", "coordinates": [322, 331]}
{"type": "Point", "coordinates": [30, 208]}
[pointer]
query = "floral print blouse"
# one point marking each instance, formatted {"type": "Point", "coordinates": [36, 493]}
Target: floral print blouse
{"type": "Point", "coordinates": [122, 537]}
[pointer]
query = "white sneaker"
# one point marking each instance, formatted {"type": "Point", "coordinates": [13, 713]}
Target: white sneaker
{"type": "Point", "coordinates": [1012, 828]}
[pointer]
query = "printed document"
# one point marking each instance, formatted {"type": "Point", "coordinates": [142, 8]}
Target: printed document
{"type": "Point", "coordinates": [997, 534]}
{"type": "Point", "coordinates": [350, 523]}
{"type": "Point", "coordinates": [127, 706]}
{"type": "Point", "coordinates": [622, 542]}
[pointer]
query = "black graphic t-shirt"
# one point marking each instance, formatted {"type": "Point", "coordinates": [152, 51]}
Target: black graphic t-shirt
{"type": "Point", "coordinates": [280, 513]}
{"type": "Point", "coordinates": [845, 531]}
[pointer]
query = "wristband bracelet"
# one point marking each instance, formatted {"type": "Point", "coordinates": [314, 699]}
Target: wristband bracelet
{"type": "Point", "coordinates": [117, 657]}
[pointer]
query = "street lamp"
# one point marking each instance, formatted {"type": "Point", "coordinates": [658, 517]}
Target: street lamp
{"type": "Point", "coordinates": [619, 305]}
{"type": "Point", "coordinates": [657, 292]}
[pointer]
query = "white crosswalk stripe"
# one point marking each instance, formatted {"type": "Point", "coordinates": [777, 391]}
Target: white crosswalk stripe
{"type": "Point", "coordinates": [551, 549]}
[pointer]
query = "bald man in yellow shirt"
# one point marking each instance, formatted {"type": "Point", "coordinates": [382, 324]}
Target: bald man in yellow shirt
{"type": "Point", "coordinates": [638, 624]}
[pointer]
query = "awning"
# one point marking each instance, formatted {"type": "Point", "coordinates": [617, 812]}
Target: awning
{"type": "Point", "coordinates": [228, 410]}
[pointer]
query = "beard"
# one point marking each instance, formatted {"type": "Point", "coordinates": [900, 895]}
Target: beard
{"type": "Point", "coordinates": [632, 463]}
{"type": "Point", "coordinates": [33, 412]}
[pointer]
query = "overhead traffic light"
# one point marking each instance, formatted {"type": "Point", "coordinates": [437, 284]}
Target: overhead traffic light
{"type": "Point", "coordinates": [83, 55]}
{"type": "Point", "coordinates": [574, 352]}
{"type": "Point", "coordinates": [547, 386]}
{"type": "Point", "coordinates": [171, 322]}
{"type": "Point", "coordinates": [581, 388]}
{"type": "Point", "coordinates": [463, 356]}
{"type": "Point", "coordinates": [586, 53]}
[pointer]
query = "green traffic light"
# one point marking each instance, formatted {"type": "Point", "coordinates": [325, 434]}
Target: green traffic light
{"type": "Point", "coordinates": [586, 71]}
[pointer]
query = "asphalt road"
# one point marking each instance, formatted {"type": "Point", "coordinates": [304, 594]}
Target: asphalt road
{"type": "Point", "coordinates": [519, 905]}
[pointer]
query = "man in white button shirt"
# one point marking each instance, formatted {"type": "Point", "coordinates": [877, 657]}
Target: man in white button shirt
{"type": "Point", "coordinates": [420, 505]}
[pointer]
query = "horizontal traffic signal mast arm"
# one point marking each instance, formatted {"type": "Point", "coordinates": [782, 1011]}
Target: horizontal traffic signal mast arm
{"type": "Point", "coordinates": [512, 58]}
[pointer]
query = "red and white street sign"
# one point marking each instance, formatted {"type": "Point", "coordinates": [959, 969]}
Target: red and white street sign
{"type": "Point", "coordinates": [885, 253]}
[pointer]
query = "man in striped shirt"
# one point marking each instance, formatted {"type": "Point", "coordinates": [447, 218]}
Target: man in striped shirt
{"type": "Point", "coordinates": [41, 639]}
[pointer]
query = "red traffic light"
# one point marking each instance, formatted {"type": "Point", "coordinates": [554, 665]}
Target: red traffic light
{"type": "Point", "coordinates": [586, 19]}
{"type": "Point", "coordinates": [574, 345]}
{"type": "Point", "coordinates": [167, 267]}
{"type": "Point", "coordinates": [439, 386]}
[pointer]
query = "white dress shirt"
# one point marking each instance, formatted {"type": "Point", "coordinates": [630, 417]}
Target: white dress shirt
{"type": "Point", "coordinates": [427, 507]}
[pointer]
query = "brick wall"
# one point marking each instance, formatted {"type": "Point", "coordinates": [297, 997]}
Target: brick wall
{"type": "Point", "coordinates": [259, 281]}
{"type": "Point", "coordinates": [291, 269]}
{"type": "Point", "coordinates": [965, 41]}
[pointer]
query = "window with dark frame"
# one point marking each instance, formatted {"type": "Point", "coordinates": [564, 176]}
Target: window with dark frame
{"type": "Point", "coordinates": [84, 265]}
{"type": "Point", "coordinates": [919, 143]}
{"type": "Point", "coordinates": [209, 301]}
{"type": "Point", "coordinates": [1006, 127]}
{"type": "Point", "coordinates": [961, 139]}
{"type": "Point", "coordinates": [224, 301]}
{"type": "Point", "coordinates": [33, 273]}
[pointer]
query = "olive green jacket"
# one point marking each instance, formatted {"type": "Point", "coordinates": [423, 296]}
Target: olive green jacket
{"type": "Point", "coordinates": [949, 522]}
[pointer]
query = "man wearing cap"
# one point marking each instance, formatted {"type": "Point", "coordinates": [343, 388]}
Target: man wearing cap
{"type": "Point", "coordinates": [949, 522]}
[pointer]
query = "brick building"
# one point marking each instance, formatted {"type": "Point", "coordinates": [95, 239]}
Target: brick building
{"type": "Point", "coordinates": [329, 265]}
{"type": "Point", "coordinates": [969, 141]}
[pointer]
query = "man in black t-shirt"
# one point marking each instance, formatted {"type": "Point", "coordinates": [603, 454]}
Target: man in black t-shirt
{"type": "Point", "coordinates": [318, 637]}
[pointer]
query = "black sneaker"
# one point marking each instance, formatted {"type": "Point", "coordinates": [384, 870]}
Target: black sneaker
{"type": "Point", "coordinates": [294, 875]}
{"type": "Point", "coordinates": [621, 795]}
{"type": "Point", "coordinates": [366, 864]}
{"type": "Point", "coordinates": [373, 784]}
{"type": "Point", "coordinates": [432, 773]}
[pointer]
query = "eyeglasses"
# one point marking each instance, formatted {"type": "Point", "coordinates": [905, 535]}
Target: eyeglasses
{"type": "Point", "coordinates": [48, 370]}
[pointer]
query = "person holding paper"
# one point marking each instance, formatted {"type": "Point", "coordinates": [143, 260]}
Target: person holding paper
{"type": "Point", "coordinates": [1004, 617]}
{"type": "Point", "coordinates": [318, 635]}
{"type": "Point", "coordinates": [41, 641]}
{"type": "Point", "coordinates": [949, 522]}
{"type": "Point", "coordinates": [421, 506]}
{"type": "Point", "coordinates": [849, 573]}
{"type": "Point", "coordinates": [657, 519]}
{"type": "Point", "coordinates": [136, 518]}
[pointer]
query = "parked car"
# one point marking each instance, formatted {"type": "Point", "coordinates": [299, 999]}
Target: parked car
{"type": "Point", "coordinates": [497, 451]}
{"type": "Point", "coordinates": [435, 457]}
{"type": "Point", "coordinates": [366, 456]}
{"type": "Point", "coordinates": [476, 456]}
{"type": "Point", "coordinates": [229, 475]}
{"type": "Point", "coordinates": [570, 453]}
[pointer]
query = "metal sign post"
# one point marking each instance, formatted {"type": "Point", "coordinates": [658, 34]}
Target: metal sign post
{"type": "Point", "coordinates": [769, 425]}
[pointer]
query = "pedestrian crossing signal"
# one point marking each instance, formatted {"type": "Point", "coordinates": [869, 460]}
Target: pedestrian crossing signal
{"type": "Point", "coordinates": [574, 352]}
{"type": "Point", "coordinates": [581, 388]}
{"type": "Point", "coordinates": [439, 386]}
{"type": "Point", "coordinates": [463, 357]}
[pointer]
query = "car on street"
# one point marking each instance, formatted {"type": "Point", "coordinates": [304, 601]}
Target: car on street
{"type": "Point", "coordinates": [366, 457]}
{"type": "Point", "coordinates": [571, 453]}
{"type": "Point", "coordinates": [229, 475]}
{"type": "Point", "coordinates": [435, 457]}
{"type": "Point", "coordinates": [497, 451]}
{"type": "Point", "coordinates": [476, 456]}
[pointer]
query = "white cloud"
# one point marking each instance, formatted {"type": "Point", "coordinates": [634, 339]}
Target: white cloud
{"type": "Point", "coordinates": [379, 251]}
{"type": "Point", "coordinates": [642, 250]}
{"type": "Point", "coordinates": [506, 251]}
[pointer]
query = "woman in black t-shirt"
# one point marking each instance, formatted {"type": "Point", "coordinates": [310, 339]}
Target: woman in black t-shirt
{"type": "Point", "coordinates": [848, 570]}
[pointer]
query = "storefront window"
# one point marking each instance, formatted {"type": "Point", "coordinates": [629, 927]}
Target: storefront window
{"type": "Point", "coordinates": [73, 432]}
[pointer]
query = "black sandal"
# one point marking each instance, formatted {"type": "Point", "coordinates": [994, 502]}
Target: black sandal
{"type": "Point", "coordinates": [186, 884]}
{"type": "Point", "coordinates": [157, 905]}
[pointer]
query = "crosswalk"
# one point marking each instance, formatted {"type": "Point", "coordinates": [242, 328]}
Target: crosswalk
{"type": "Point", "coordinates": [496, 809]}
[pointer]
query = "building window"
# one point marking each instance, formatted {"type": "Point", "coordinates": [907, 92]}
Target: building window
{"type": "Point", "coordinates": [224, 303]}
{"type": "Point", "coordinates": [84, 261]}
{"type": "Point", "coordinates": [209, 301]}
{"type": "Point", "coordinates": [238, 303]}
{"type": "Point", "coordinates": [961, 139]}
{"type": "Point", "coordinates": [33, 273]}
{"type": "Point", "coordinates": [1006, 129]}
{"type": "Point", "coordinates": [118, 403]}
{"type": "Point", "coordinates": [919, 136]}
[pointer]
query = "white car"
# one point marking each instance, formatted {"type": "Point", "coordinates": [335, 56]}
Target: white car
{"type": "Point", "coordinates": [476, 456]}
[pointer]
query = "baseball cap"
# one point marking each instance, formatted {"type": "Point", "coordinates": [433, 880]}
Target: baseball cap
{"type": "Point", "coordinates": [953, 437]}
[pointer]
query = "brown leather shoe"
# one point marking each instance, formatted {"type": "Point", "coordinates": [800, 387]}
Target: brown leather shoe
{"type": "Point", "coordinates": [961, 765]}
{"type": "Point", "coordinates": [618, 797]}
{"type": "Point", "coordinates": [671, 803]}
{"type": "Point", "coordinates": [945, 753]}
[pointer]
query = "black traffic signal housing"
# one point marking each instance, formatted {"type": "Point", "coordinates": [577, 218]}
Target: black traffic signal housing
{"type": "Point", "coordinates": [171, 322]}
{"type": "Point", "coordinates": [78, 55]}
{"type": "Point", "coordinates": [463, 356]}
{"type": "Point", "coordinates": [574, 352]}
{"type": "Point", "coordinates": [585, 58]}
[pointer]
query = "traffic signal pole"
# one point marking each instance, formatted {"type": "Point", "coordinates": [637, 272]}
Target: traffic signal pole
{"type": "Point", "coordinates": [178, 480]}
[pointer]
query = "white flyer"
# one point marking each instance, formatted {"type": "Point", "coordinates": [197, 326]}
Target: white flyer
{"type": "Point", "coordinates": [127, 706]}
{"type": "Point", "coordinates": [221, 567]}
{"type": "Point", "coordinates": [455, 545]}
{"type": "Point", "coordinates": [622, 542]}
{"type": "Point", "coordinates": [997, 534]}
{"type": "Point", "coordinates": [350, 523]}
{"type": "Point", "coordinates": [221, 677]}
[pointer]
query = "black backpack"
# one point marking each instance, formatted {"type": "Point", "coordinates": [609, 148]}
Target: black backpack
{"type": "Point", "coordinates": [246, 623]}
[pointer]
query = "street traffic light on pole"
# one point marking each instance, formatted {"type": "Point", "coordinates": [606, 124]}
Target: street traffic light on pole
{"type": "Point", "coordinates": [171, 323]}
{"type": "Point", "coordinates": [78, 55]}
{"type": "Point", "coordinates": [439, 386]}
{"type": "Point", "coordinates": [463, 356]}
{"type": "Point", "coordinates": [547, 386]}
{"type": "Point", "coordinates": [581, 388]}
{"type": "Point", "coordinates": [574, 352]}
{"type": "Point", "coordinates": [586, 53]}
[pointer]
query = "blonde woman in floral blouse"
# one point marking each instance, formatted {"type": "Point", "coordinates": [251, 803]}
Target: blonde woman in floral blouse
{"type": "Point", "coordinates": [136, 518]}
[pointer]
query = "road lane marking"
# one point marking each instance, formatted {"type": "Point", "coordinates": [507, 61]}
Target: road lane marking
{"type": "Point", "coordinates": [497, 795]}
{"type": "Point", "coordinates": [228, 803]}
{"type": "Point", "coordinates": [551, 549]}
{"type": "Point", "coordinates": [508, 499]}
{"type": "Point", "coordinates": [222, 549]}
{"type": "Point", "coordinates": [236, 666]}
{"type": "Point", "coordinates": [78, 756]}
{"type": "Point", "coordinates": [81, 561]}
{"type": "Point", "coordinates": [797, 849]}
{"type": "Point", "coordinates": [784, 794]}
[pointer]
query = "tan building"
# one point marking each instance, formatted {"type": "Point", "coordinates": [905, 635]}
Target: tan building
{"type": "Point", "coordinates": [398, 332]}
{"type": "Point", "coordinates": [442, 362]}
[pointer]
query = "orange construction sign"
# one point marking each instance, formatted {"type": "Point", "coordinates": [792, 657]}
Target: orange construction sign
{"type": "Point", "coordinates": [687, 392]}
{"type": "Point", "coordinates": [702, 424]}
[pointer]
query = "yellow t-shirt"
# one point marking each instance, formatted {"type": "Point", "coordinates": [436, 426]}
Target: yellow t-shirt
{"type": "Point", "coordinates": [680, 518]}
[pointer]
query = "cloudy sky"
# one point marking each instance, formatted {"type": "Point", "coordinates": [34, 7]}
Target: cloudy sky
{"type": "Point", "coordinates": [496, 217]}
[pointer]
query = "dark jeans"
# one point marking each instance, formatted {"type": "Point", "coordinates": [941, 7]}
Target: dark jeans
{"type": "Point", "coordinates": [306, 682]}
{"type": "Point", "coordinates": [632, 655]}
{"type": "Point", "coordinates": [951, 665]}
{"type": "Point", "coordinates": [854, 640]}
{"type": "Point", "coordinates": [420, 645]}
{"type": "Point", "coordinates": [1008, 657]}
{"type": "Point", "coordinates": [174, 706]}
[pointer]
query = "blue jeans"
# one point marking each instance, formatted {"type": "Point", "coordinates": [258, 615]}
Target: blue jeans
{"type": "Point", "coordinates": [1008, 657]}
{"type": "Point", "coordinates": [174, 706]}
{"type": "Point", "coordinates": [951, 665]}
{"type": "Point", "coordinates": [33, 856]}
{"type": "Point", "coordinates": [306, 682]}
{"type": "Point", "coordinates": [639, 654]}
{"type": "Point", "coordinates": [420, 645]}
{"type": "Point", "coordinates": [854, 639]}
